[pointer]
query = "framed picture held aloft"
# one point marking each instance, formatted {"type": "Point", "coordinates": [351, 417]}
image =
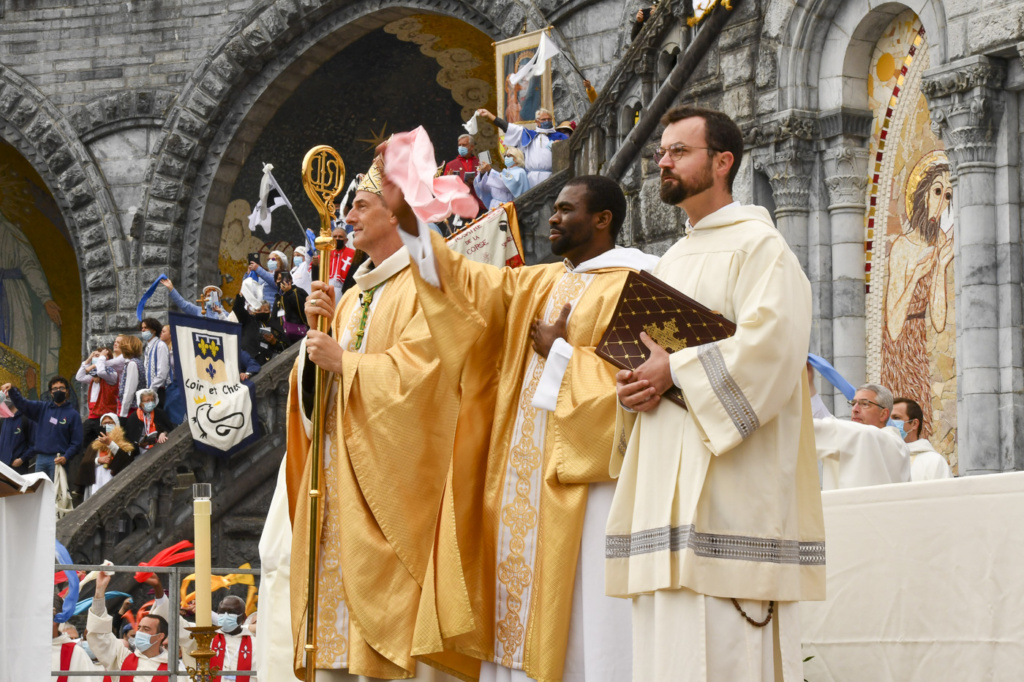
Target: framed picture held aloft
{"type": "Point", "coordinates": [518, 103]}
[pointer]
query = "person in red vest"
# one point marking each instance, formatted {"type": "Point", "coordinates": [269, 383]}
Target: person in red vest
{"type": "Point", "coordinates": [112, 653]}
{"type": "Point", "coordinates": [99, 386]}
{"type": "Point", "coordinates": [234, 646]}
{"type": "Point", "coordinates": [66, 655]}
{"type": "Point", "coordinates": [466, 163]}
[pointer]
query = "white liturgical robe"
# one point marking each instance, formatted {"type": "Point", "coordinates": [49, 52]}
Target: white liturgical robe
{"type": "Point", "coordinates": [855, 455]}
{"type": "Point", "coordinates": [925, 463]}
{"type": "Point", "coordinates": [722, 499]}
{"type": "Point", "coordinates": [79, 663]}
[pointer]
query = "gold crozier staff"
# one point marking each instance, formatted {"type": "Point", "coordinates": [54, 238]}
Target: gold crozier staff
{"type": "Point", "coordinates": [323, 175]}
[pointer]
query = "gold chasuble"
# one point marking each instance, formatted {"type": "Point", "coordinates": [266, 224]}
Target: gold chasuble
{"type": "Point", "coordinates": [390, 422]}
{"type": "Point", "coordinates": [519, 555]}
{"type": "Point", "coordinates": [723, 498]}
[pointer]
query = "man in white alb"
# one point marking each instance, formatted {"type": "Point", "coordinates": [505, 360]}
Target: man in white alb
{"type": "Point", "coordinates": [866, 450]}
{"type": "Point", "coordinates": [925, 463]}
{"type": "Point", "coordinates": [716, 528]}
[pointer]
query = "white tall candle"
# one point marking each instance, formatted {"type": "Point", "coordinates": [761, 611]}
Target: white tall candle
{"type": "Point", "coordinates": [201, 515]}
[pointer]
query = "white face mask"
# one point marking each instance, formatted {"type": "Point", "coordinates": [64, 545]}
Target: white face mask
{"type": "Point", "coordinates": [109, 428]}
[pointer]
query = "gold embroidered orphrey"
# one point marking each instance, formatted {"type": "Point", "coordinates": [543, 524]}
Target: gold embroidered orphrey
{"type": "Point", "coordinates": [520, 516]}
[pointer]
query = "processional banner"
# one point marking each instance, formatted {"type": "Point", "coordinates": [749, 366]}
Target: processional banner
{"type": "Point", "coordinates": [221, 408]}
{"type": "Point", "coordinates": [492, 239]}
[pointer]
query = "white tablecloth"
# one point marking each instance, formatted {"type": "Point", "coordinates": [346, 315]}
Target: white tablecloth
{"type": "Point", "coordinates": [925, 582]}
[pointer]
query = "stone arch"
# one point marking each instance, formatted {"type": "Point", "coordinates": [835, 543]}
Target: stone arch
{"type": "Point", "coordinates": [823, 42]}
{"type": "Point", "coordinates": [240, 86]}
{"type": "Point", "coordinates": [44, 136]}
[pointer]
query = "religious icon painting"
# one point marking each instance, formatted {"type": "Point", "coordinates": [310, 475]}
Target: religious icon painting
{"type": "Point", "coordinates": [519, 103]}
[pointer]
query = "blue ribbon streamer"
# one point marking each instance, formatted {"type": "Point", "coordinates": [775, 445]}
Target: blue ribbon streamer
{"type": "Point", "coordinates": [83, 606]}
{"type": "Point", "coordinates": [310, 242]}
{"type": "Point", "coordinates": [832, 375]}
{"type": "Point", "coordinates": [148, 295]}
{"type": "Point", "coordinates": [72, 576]}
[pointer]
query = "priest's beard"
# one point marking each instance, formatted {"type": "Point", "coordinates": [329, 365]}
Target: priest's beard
{"type": "Point", "coordinates": [680, 190]}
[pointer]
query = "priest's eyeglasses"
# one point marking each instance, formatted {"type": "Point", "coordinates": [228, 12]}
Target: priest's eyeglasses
{"type": "Point", "coordinates": [863, 402]}
{"type": "Point", "coordinates": [678, 150]}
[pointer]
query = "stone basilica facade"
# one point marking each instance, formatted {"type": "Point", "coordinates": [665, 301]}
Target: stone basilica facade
{"type": "Point", "coordinates": [884, 136]}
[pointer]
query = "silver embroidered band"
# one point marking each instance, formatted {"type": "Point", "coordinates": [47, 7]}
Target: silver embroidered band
{"type": "Point", "coordinates": [716, 546]}
{"type": "Point", "coordinates": [729, 394]}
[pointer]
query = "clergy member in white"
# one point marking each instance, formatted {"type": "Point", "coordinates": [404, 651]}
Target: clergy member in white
{"type": "Point", "coordinates": [925, 463]}
{"type": "Point", "coordinates": [111, 651]}
{"type": "Point", "coordinates": [716, 528]}
{"type": "Point", "coordinates": [67, 655]}
{"type": "Point", "coordinates": [865, 450]}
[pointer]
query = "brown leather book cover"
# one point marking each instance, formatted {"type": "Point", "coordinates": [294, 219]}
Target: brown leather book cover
{"type": "Point", "coordinates": [671, 318]}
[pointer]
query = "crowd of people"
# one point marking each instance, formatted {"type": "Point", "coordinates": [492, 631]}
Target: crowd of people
{"type": "Point", "coordinates": [130, 396]}
{"type": "Point", "coordinates": [116, 634]}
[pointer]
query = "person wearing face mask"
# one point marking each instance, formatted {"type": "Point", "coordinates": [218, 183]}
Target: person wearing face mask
{"type": "Point", "coordinates": [58, 433]}
{"type": "Point", "coordinates": [234, 646]}
{"type": "Point", "coordinates": [868, 449]}
{"type": "Point", "coordinates": [66, 655]}
{"type": "Point", "coordinates": [113, 653]}
{"type": "Point", "coordinates": [303, 265]}
{"type": "Point", "coordinates": [148, 424]}
{"type": "Point", "coordinates": [535, 144]}
{"type": "Point", "coordinates": [925, 463]}
{"type": "Point", "coordinates": [514, 177]}
{"type": "Point", "coordinates": [105, 456]}
{"type": "Point", "coordinates": [466, 165]}
{"type": "Point", "coordinates": [16, 438]}
{"type": "Point", "coordinates": [276, 262]}
{"type": "Point", "coordinates": [212, 308]}
{"type": "Point", "coordinates": [157, 361]}
{"type": "Point", "coordinates": [253, 313]}
{"type": "Point", "coordinates": [99, 386]}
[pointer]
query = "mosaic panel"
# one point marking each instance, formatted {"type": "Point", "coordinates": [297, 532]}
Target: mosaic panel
{"type": "Point", "coordinates": [911, 344]}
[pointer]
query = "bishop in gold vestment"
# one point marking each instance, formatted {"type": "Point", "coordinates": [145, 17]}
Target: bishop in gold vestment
{"type": "Point", "coordinates": [716, 528]}
{"type": "Point", "coordinates": [537, 501]}
{"type": "Point", "coordinates": [390, 421]}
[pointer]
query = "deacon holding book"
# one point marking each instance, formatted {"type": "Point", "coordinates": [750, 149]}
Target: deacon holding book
{"type": "Point", "coordinates": [530, 513]}
{"type": "Point", "coordinates": [716, 530]}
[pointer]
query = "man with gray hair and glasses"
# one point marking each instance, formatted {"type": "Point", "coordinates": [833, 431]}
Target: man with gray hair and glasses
{"type": "Point", "coordinates": [868, 449]}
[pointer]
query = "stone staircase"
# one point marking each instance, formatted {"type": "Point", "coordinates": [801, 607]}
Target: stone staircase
{"type": "Point", "coordinates": [148, 506]}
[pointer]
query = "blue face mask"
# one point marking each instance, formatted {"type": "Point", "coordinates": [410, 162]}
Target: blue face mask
{"type": "Point", "coordinates": [131, 643]}
{"type": "Point", "coordinates": [109, 428]}
{"type": "Point", "coordinates": [227, 621]}
{"type": "Point", "coordinates": [898, 423]}
{"type": "Point", "coordinates": [143, 640]}
{"type": "Point", "coordinates": [146, 335]}
{"type": "Point", "coordinates": [463, 151]}
{"type": "Point", "coordinates": [298, 260]}
{"type": "Point", "coordinates": [148, 407]}
{"type": "Point", "coordinates": [510, 161]}
{"type": "Point", "coordinates": [545, 125]}
{"type": "Point", "coordinates": [272, 265]}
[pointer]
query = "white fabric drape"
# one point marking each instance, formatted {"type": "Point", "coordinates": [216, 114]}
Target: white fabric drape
{"type": "Point", "coordinates": [27, 529]}
{"type": "Point", "coordinates": [924, 583]}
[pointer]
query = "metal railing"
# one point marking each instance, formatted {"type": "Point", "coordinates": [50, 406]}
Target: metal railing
{"type": "Point", "coordinates": [173, 592]}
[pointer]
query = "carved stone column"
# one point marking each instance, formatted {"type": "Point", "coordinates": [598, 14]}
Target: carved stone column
{"type": "Point", "coordinates": [966, 106]}
{"type": "Point", "coordinates": [845, 164]}
{"type": "Point", "coordinates": [786, 156]}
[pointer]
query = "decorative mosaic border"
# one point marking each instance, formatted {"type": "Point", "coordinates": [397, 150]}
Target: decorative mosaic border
{"type": "Point", "coordinates": [880, 155]}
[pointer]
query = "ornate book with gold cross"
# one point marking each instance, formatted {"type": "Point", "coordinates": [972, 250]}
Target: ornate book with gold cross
{"type": "Point", "coordinates": [672, 319]}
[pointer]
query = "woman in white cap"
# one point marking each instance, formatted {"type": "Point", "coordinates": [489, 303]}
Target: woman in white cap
{"type": "Point", "coordinates": [276, 262]}
{"type": "Point", "coordinates": [302, 272]}
{"type": "Point", "coordinates": [148, 424]}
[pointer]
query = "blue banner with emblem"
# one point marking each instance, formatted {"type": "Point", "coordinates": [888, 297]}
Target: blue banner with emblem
{"type": "Point", "coordinates": [221, 408]}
